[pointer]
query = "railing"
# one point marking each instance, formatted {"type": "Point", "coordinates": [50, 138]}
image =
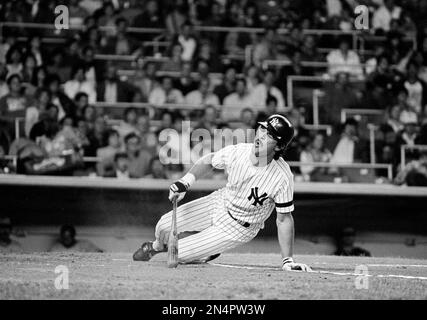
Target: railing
{"type": "Point", "coordinates": [389, 167]}
{"type": "Point", "coordinates": [345, 112]}
{"type": "Point", "coordinates": [405, 147]}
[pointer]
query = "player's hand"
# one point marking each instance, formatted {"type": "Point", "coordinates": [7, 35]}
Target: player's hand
{"type": "Point", "coordinates": [178, 190]}
{"type": "Point", "coordinates": [288, 264]}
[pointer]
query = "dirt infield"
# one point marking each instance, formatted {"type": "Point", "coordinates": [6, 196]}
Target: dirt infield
{"type": "Point", "coordinates": [232, 276]}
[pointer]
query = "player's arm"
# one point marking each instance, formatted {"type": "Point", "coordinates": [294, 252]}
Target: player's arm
{"type": "Point", "coordinates": [285, 227]}
{"type": "Point", "coordinates": [197, 171]}
{"type": "Point", "coordinates": [218, 160]}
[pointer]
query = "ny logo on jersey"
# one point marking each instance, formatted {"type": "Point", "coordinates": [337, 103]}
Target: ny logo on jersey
{"type": "Point", "coordinates": [257, 199]}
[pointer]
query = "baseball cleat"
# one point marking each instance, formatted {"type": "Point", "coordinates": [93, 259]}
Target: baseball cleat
{"type": "Point", "coordinates": [212, 257]}
{"type": "Point", "coordinates": [146, 252]}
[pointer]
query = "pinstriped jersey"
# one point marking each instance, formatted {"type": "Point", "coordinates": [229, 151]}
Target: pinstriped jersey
{"type": "Point", "coordinates": [252, 192]}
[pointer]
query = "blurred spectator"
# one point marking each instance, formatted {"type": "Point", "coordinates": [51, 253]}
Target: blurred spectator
{"type": "Point", "coordinates": [145, 78]}
{"type": "Point", "coordinates": [112, 89]}
{"type": "Point", "coordinates": [128, 124]}
{"type": "Point", "coordinates": [382, 76]}
{"type": "Point", "coordinates": [344, 60]}
{"type": "Point", "coordinates": [176, 17]}
{"type": "Point", "coordinates": [165, 93]}
{"type": "Point", "coordinates": [139, 159]}
{"type": "Point", "coordinates": [96, 135]}
{"type": "Point", "coordinates": [78, 83]}
{"type": "Point", "coordinates": [40, 105]}
{"type": "Point", "coordinates": [149, 139]}
{"type": "Point", "coordinates": [8, 245]}
{"type": "Point", "coordinates": [108, 152]}
{"type": "Point", "coordinates": [77, 13]}
{"type": "Point", "coordinates": [14, 103]}
{"type": "Point", "coordinates": [4, 88]}
{"type": "Point", "coordinates": [94, 69]}
{"type": "Point", "coordinates": [202, 96]}
{"type": "Point", "coordinates": [150, 17]}
{"type": "Point", "coordinates": [57, 65]}
{"type": "Point", "coordinates": [261, 91]}
{"type": "Point", "coordinates": [14, 60]}
{"type": "Point", "coordinates": [81, 102]}
{"type": "Point", "coordinates": [185, 83]}
{"type": "Point", "coordinates": [72, 54]}
{"type": "Point", "coordinates": [228, 84]}
{"type": "Point", "coordinates": [270, 109]}
{"type": "Point", "coordinates": [236, 101]}
{"type": "Point", "coordinates": [384, 14]}
{"type": "Point", "coordinates": [417, 90]}
{"type": "Point", "coordinates": [157, 169]}
{"type": "Point", "coordinates": [407, 113]}
{"type": "Point", "coordinates": [265, 49]}
{"type": "Point", "coordinates": [208, 120]}
{"type": "Point", "coordinates": [338, 95]}
{"type": "Point", "coordinates": [106, 16]}
{"type": "Point", "coordinates": [293, 41]}
{"type": "Point", "coordinates": [315, 152]}
{"type": "Point", "coordinates": [29, 65]}
{"type": "Point", "coordinates": [121, 166]}
{"type": "Point", "coordinates": [247, 117]}
{"type": "Point", "coordinates": [414, 173]}
{"type": "Point", "coordinates": [120, 43]}
{"type": "Point", "coordinates": [67, 242]}
{"type": "Point", "coordinates": [345, 244]}
{"type": "Point", "coordinates": [309, 51]}
{"type": "Point", "coordinates": [8, 41]}
{"type": "Point", "coordinates": [187, 41]}
{"type": "Point", "coordinates": [294, 69]}
{"type": "Point", "coordinates": [350, 147]}
{"type": "Point", "coordinates": [175, 61]}
{"type": "Point", "coordinates": [393, 115]}
{"type": "Point", "coordinates": [34, 47]}
{"type": "Point", "coordinates": [208, 53]}
{"type": "Point", "coordinates": [252, 76]}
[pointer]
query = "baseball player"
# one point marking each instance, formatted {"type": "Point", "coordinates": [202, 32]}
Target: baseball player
{"type": "Point", "coordinates": [259, 181]}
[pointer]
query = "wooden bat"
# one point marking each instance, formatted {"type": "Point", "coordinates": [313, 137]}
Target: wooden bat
{"type": "Point", "coordinates": [173, 239]}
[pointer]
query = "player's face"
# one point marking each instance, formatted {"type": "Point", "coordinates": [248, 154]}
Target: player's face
{"type": "Point", "coordinates": [264, 144]}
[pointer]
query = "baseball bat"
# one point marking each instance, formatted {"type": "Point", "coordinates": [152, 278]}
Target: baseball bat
{"type": "Point", "coordinates": [173, 239]}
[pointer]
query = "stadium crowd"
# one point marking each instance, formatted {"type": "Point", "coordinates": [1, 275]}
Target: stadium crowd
{"type": "Point", "coordinates": [61, 90]}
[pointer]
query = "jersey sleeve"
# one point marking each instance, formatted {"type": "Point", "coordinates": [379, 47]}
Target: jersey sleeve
{"type": "Point", "coordinates": [222, 158]}
{"type": "Point", "coordinates": [284, 198]}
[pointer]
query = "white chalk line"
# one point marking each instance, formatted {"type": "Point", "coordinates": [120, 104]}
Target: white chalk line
{"type": "Point", "coordinates": [377, 265]}
{"type": "Point", "coordinates": [319, 272]}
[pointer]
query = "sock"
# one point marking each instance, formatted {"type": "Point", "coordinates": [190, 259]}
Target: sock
{"type": "Point", "coordinates": [158, 246]}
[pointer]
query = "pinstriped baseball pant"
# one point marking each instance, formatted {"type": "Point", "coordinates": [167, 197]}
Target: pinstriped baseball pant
{"type": "Point", "coordinates": [217, 231]}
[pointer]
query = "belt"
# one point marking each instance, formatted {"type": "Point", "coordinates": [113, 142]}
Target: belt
{"type": "Point", "coordinates": [244, 224]}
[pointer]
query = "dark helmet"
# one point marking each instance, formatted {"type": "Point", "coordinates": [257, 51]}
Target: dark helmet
{"type": "Point", "coordinates": [280, 128]}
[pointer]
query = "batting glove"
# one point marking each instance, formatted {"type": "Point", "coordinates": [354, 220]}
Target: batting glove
{"type": "Point", "coordinates": [178, 190]}
{"type": "Point", "coordinates": [288, 264]}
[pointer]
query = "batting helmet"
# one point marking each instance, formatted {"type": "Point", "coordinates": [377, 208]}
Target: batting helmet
{"type": "Point", "coordinates": [280, 128]}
